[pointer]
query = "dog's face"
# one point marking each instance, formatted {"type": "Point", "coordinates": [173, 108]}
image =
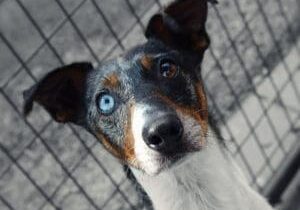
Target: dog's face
{"type": "Point", "coordinates": [148, 106]}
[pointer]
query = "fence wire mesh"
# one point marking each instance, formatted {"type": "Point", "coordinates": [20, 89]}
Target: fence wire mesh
{"type": "Point", "coordinates": [251, 72]}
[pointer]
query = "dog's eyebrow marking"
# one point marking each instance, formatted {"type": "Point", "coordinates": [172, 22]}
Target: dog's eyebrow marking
{"type": "Point", "coordinates": [147, 62]}
{"type": "Point", "coordinates": [111, 81]}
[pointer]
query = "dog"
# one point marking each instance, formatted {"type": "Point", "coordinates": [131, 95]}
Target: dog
{"type": "Point", "coordinates": [149, 109]}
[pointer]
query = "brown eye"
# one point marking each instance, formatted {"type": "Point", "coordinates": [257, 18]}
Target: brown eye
{"type": "Point", "coordinates": [168, 69]}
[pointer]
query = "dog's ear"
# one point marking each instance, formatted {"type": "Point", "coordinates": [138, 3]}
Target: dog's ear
{"type": "Point", "coordinates": [182, 26]}
{"type": "Point", "coordinates": [61, 93]}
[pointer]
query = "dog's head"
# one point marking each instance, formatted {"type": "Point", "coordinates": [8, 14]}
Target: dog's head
{"type": "Point", "coordinates": [148, 106]}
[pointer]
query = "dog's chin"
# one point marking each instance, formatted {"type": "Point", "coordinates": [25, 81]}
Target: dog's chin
{"type": "Point", "coordinates": [166, 162]}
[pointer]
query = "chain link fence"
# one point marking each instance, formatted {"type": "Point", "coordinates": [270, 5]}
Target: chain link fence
{"type": "Point", "coordinates": [251, 73]}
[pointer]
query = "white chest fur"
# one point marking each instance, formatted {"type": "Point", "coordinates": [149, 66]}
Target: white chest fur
{"type": "Point", "coordinates": [206, 180]}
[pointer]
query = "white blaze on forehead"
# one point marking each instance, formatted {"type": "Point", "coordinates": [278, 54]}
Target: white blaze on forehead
{"type": "Point", "coordinates": [148, 158]}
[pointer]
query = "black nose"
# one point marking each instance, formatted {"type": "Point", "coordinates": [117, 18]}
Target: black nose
{"type": "Point", "coordinates": [163, 133]}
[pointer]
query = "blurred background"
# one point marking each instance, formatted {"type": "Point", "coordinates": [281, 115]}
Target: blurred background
{"type": "Point", "coordinates": [251, 73]}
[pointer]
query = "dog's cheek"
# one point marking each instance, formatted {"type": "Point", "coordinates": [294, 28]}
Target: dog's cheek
{"type": "Point", "coordinates": [202, 112]}
{"type": "Point", "coordinates": [109, 131]}
{"type": "Point", "coordinates": [107, 143]}
{"type": "Point", "coordinates": [193, 132]}
{"type": "Point", "coordinates": [197, 111]}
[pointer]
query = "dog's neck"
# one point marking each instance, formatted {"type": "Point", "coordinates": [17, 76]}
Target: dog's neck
{"type": "Point", "coordinates": [208, 179]}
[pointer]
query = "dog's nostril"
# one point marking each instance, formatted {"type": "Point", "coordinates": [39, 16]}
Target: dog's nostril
{"type": "Point", "coordinates": [155, 141]}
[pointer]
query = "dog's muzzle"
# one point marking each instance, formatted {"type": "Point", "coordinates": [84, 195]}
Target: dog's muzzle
{"type": "Point", "coordinates": [163, 133]}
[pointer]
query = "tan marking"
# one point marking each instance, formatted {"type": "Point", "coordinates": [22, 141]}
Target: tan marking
{"type": "Point", "coordinates": [147, 62]}
{"type": "Point", "coordinates": [203, 109]}
{"type": "Point", "coordinates": [112, 148]}
{"type": "Point", "coordinates": [112, 81]}
{"type": "Point", "coordinates": [199, 42]}
{"type": "Point", "coordinates": [129, 153]}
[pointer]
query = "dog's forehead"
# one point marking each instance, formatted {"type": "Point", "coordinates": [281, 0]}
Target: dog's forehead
{"type": "Point", "coordinates": [125, 72]}
{"type": "Point", "coordinates": [118, 67]}
{"type": "Point", "coordinates": [129, 58]}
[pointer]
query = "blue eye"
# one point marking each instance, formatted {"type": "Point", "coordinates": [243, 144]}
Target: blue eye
{"type": "Point", "coordinates": [106, 103]}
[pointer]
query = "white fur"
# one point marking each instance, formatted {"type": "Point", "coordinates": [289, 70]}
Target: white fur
{"type": "Point", "coordinates": [151, 161]}
{"type": "Point", "coordinates": [147, 158]}
{"type": "Point", "coordinates": [206, 180]}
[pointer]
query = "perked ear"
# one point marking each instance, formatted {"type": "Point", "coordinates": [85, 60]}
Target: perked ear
{"type": "Point", "coordinates": [61, 93]}
{"type": "Point", "coordinates": [181, 26]}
